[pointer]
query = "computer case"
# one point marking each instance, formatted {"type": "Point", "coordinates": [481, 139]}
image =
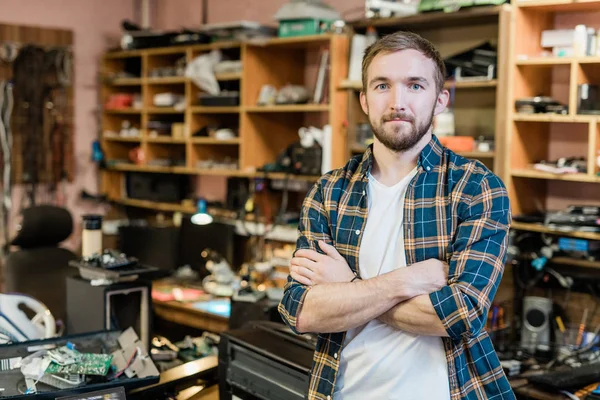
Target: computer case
{"type": "Point", "coordinates": [113, 307]}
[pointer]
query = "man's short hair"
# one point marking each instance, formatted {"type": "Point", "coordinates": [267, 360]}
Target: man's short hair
{"type": "Point", "coordinates": [403, 41]}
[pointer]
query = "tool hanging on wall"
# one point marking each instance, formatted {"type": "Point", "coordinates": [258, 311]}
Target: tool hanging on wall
{"type": "Point", "coordinates": [41, 109]}
{"type": "Point", "coordinates": [28, 73]}
{"type": "Point", "coordinates": [6, 142]}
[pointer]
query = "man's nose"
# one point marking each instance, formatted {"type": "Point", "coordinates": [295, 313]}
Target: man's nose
{"type": "Point", "coordinates": [399, 99]}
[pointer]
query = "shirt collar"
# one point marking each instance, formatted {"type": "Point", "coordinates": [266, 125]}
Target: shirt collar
{"type": "Point", "coordinates": [430, 157]}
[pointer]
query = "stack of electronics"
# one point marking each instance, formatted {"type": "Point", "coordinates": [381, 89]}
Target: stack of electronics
{"type": "Point", "coordinates": [111, 265]}
{"type": "Point", "coordinates": [575, 218]}
{"type": "Point", "coordinates": [169, 71]}
{"type": "Point", "coordinates": [540, 104]}
{"type": "Point", "coordinates": [478, 63]}
{"type": "Point", "coordinates": [134, 37]}
{"type": "Point", "coordinates": [564, 165]}
{"type": "Point", "coordinates": [62, 366]}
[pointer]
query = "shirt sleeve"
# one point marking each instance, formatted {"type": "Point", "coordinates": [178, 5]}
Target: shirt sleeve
{"type": "Point", "coordinates": [313, 226]}
{"type": "Point", "coordinates": [477, 262]}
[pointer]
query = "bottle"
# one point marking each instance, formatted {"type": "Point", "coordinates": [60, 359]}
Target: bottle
{"type": "Point", "coordinates": [371, 36]}
{"type": "Point", "coordinates": [91, 239]}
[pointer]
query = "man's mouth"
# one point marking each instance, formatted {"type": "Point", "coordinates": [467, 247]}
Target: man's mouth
{"type": "Point", "coordinates": [397, 118]}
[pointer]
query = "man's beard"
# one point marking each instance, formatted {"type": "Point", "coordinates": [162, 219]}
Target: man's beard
{"type": "Point", "coordinates": [400, 138]}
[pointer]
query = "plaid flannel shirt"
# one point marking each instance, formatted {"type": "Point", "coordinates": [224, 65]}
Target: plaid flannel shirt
{"type": "Point", "coordinates": [455, 210]}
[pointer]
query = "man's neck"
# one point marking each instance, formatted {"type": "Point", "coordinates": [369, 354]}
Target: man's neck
{"type": "Point", "coordinates": [390, 167]}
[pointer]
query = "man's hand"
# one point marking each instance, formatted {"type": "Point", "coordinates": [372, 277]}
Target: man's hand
{"type": "Point", "coordinates": [428, 276]}
{"type": "Point", "coordinates": [311, 268]}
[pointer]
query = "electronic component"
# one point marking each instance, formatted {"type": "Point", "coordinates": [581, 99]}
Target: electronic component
{"type": "Point", "coordinates": [540, 104]}
{"type": "Point", "coordinates": [87, 364]}
{"type": "Point", "coordinates": [577, 377]}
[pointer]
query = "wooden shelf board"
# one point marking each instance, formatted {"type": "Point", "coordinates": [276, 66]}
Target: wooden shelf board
{"type": "Point", "coordinates": [471, 84]}
{"type": "Point", "coordinates": [554, 118]}
{"type": "Point", "coordinates": [211, 172]}
{"type": "Point", "coordinates": [148, 168]}
{"type": "Point", "coordinates": [122, 138]}
{"type": "Point", "coordinates": [171, 50]}
{"type": "Point", "coordinates": [229, 76]}
{"type": "Point", "coordinates": [298, 41]}
{"type": "Point", "coordinates": [123, 54]}
{"type": "Point", "coordinates": [163, 110]}
{"type": "Point", "coordinates": [225, 44]}
{"type": "Point", "coordinates": [531, 227]}
{"type": "Point", "coordinates": [215, 110]}
{"type": "Point", "coordinates": [531, 173]}
{"type": "Point", "coordinates": [208, 140]}
{"type": "Point", "coordinates": [154, 205]}
{"type": "Point", "coordinates": [589, 60]}
{"type": "Point", "coordinates": [166, 80]}
{"type": "Point", "coordinates": [222, 172]}
{"type": "Point", "coordinates": [545, 61]}
{"type": "Point", "coordinates": [558, 5]}
{"type": "Point", "coordinates": [434, 19]}
{"type": "Point", "coordinates": [477, 154]}
{"type": "Point", "coordinates": [575, 262]}
{"type": "Point", "coordinates": [123, 111]}
{"type": "Point", "coordinates": [123, 82]}
{"type": "Point", "coordinates": [289, 108]}
{"type": "Point", "coordinates": [357, 85]}
{"type": "Point", "coordinates": [165, 139]}
{"type": "Point", "coordinates": [161, 51]}
{"type": "Point", "coordinates": [549, 61]}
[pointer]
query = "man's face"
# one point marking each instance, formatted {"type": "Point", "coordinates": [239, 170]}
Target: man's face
{"type": "Point", "coordinates": [401, 98]}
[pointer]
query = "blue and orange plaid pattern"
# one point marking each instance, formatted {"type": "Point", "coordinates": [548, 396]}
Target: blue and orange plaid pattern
{"type": "Point", "coordinates": [455, 210]}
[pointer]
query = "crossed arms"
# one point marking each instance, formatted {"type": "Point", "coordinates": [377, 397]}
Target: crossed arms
{"type": "Point", "coordinates": [426, 298]}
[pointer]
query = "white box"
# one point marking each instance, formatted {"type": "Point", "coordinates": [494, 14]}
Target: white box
{"type": "Point", "coordinates": [558, 38]}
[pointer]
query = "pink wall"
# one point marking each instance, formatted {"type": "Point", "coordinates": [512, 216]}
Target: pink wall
{"type": "Point", "coordinates": [170, 14]}
{"type": "Point", "coordinates": [96, 25]}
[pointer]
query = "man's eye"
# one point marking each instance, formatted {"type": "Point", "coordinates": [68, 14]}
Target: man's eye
{"type": "Point", "coordinates": [416, 86]}
{"type": "Point", "coordinates": [381, 86]}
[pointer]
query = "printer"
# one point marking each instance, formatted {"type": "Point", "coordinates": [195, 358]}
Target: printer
{"type": "Point", "coordinates": [264, 360]}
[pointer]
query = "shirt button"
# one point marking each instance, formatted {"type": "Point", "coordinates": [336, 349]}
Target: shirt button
{"type": "Point", "coordinates": [328, 397]}
{"type": "Point", "coordinates": [357, 232]}
{"type": "Point", "coordinates": [364, 193]}
{"type": "Point", "coordinates": [335, 355]}
{"type": "Point", "coordinates": [428, 168]}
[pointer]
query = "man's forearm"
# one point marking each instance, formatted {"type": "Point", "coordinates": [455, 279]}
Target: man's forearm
{"type": "Point", "coordinates": [337, 307]}
{"type": "Point", "coordinates": [416, 316]}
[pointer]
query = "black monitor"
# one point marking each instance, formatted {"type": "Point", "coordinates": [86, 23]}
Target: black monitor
{"type": "Point", "coordinates": [194, 239]}
{"type": "Point", "coordinates": [153, 245]}
{"type": "Point", "coordinates": [168, 248]}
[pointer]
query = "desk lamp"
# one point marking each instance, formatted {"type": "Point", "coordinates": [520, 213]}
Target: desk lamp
{"type": "Point", "coordinates": [202, 217]}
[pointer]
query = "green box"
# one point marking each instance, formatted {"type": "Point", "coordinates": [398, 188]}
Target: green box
{"type": "Point", "coordinates": [302, 27]}
{"type": "Point", "coordinates": [450, 5]}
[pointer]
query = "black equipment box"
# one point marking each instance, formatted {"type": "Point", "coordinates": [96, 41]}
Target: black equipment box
{"type": "Point", "coordinates": [13, 382]}
{"type": "Point", "coordinates": [263, 361]}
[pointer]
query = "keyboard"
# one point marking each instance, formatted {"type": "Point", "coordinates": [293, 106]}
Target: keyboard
{"type": "Point", "coordinates": [574, 378]}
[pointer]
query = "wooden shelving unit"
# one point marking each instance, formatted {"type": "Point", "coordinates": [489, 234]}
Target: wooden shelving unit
{"type": "Point", "coordinates": [530, 138]}
{"type": "Point", "coordinates": [544, 229]}
{"type": "Point", "coordinates": [263, 131]}
{"type": "Point", "coordinates": [478, 105]}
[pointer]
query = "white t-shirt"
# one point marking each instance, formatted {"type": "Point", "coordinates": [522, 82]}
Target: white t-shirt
{"type": "Point", "coordinates": [378, 361]}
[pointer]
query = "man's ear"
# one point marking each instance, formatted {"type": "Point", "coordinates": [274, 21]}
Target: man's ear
{"type": "Point", "coordinates": [363, 102]}
{"type": "Point", "coordinates": [442, 102]}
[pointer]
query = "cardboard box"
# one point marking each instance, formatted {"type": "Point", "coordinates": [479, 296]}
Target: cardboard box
{"type": "Point", "coordinates": [178, 130]}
